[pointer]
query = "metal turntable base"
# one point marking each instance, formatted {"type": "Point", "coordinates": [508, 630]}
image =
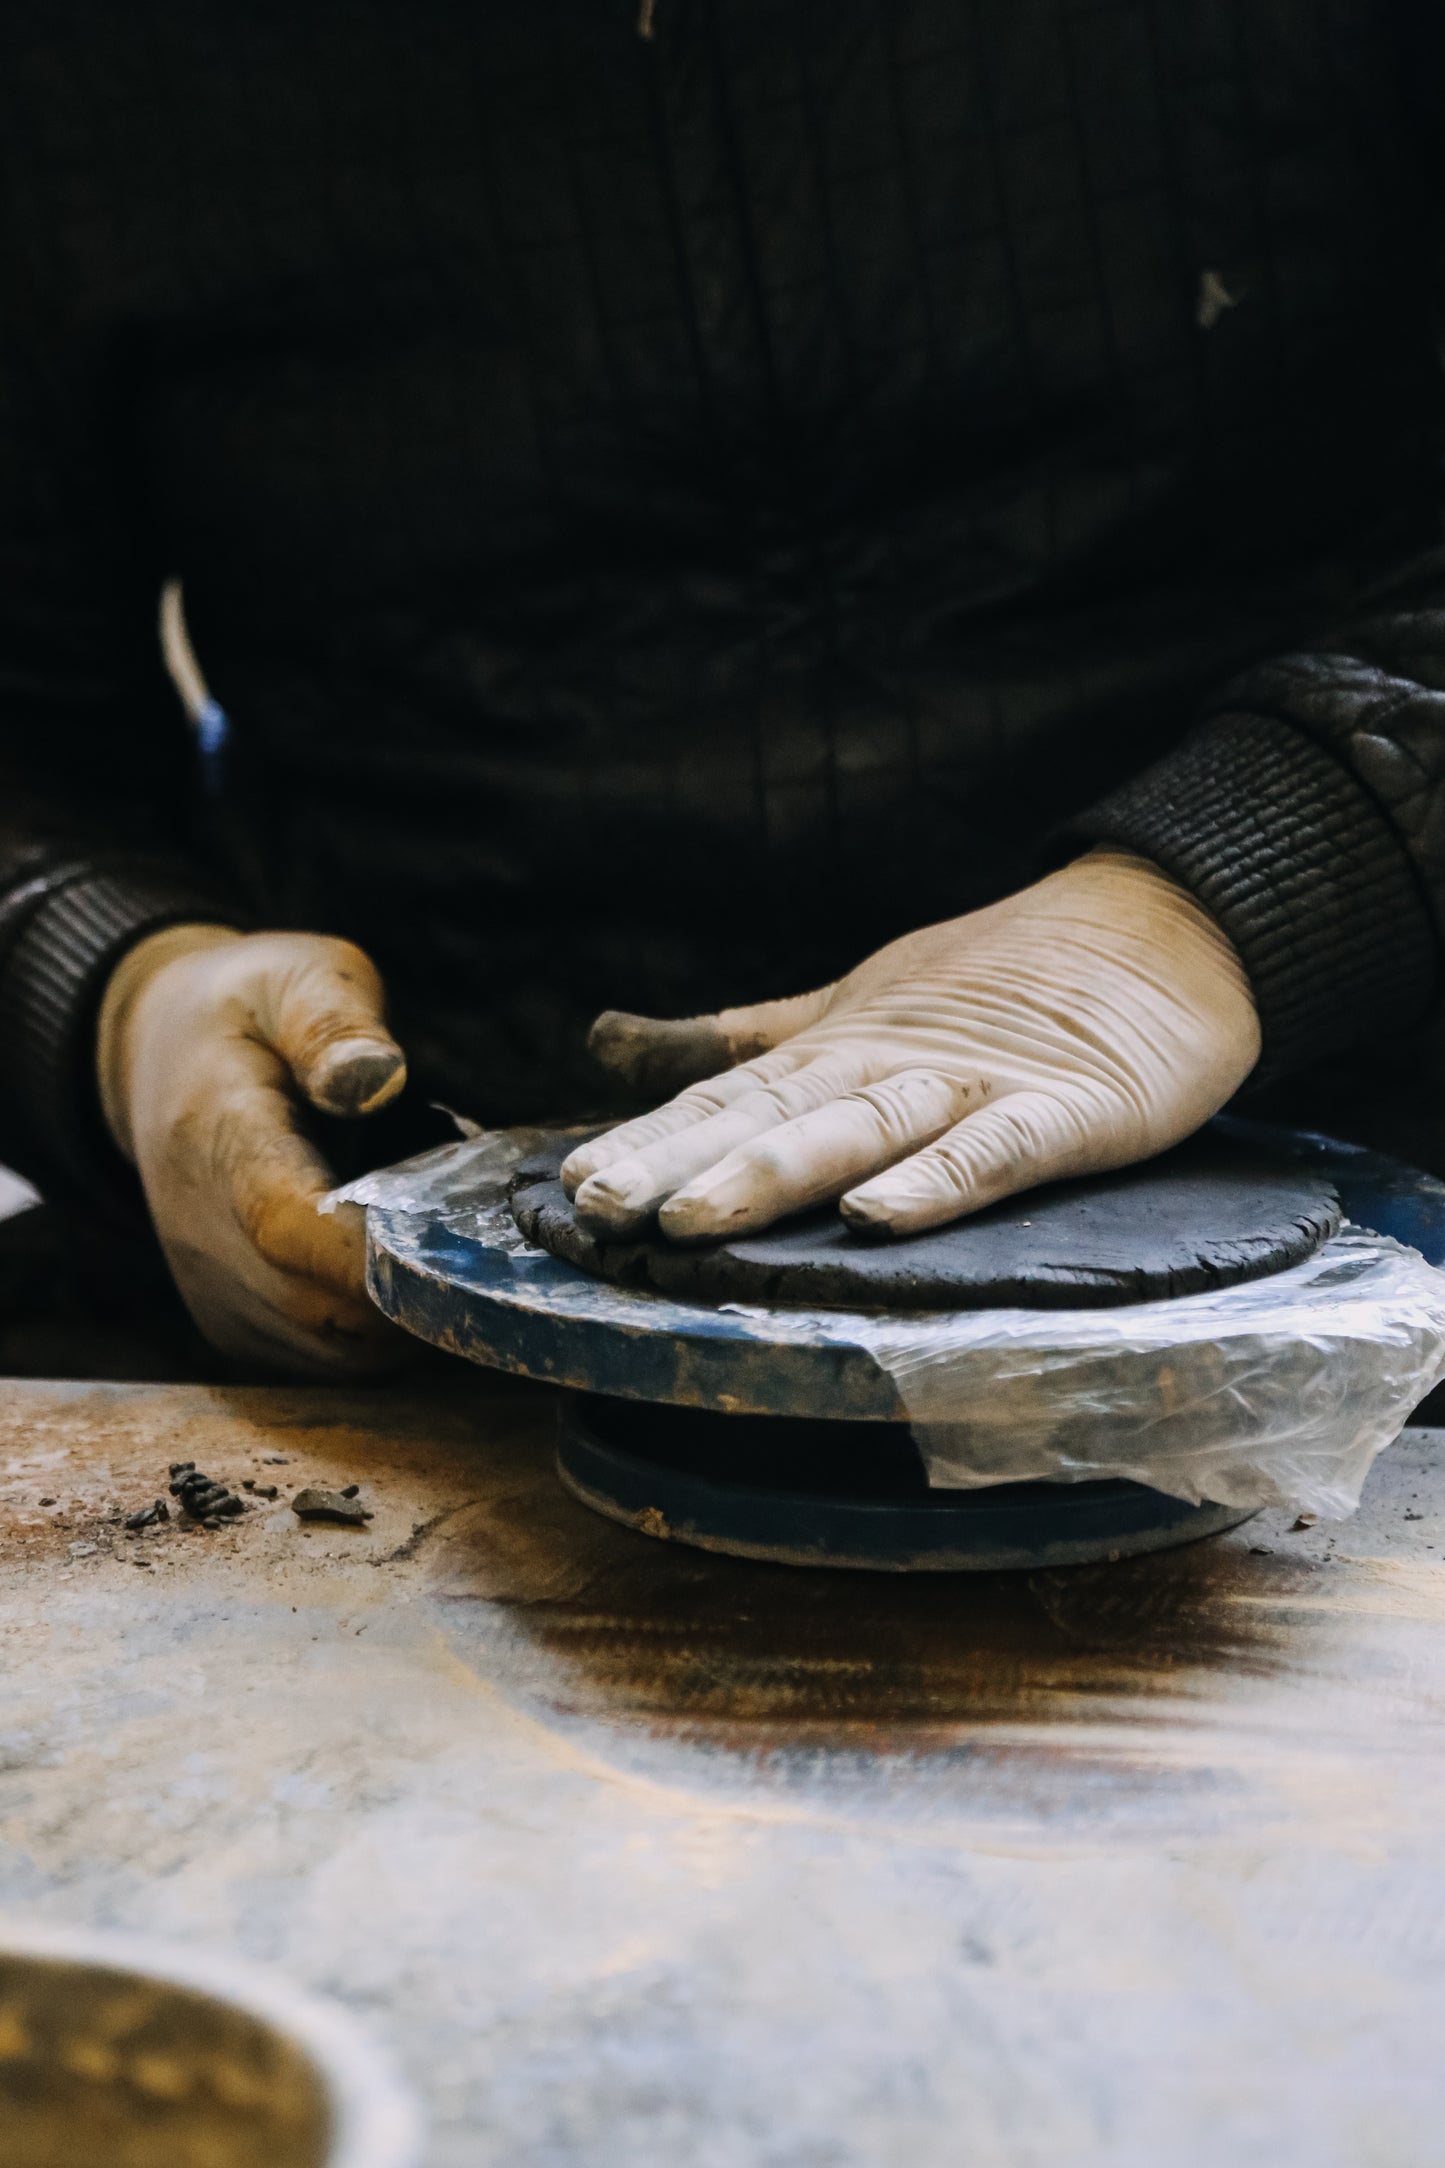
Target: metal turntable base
{"type": "Point", "coordinates": [771, 1435]}
{"type": "Point", "coordinates": [804, 1493]}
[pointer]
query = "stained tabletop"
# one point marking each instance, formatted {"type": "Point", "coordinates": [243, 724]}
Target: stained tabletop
{"type": "Point", "coordinates": [641, 1856]}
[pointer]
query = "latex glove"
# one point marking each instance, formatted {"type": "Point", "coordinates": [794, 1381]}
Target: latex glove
{"type": "Point", "coordinates": [207, 1041]}
{"type": "Point", "coordinates": [1089, 1021]}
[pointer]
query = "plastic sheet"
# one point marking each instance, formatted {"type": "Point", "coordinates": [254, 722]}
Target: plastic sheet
{"type": "Point", "coordinates": [463, 1184]}
{"type": "Point", "coordinates": [1281, 1391]}
{"type": "Point", "coordinates": [1278, 1392]}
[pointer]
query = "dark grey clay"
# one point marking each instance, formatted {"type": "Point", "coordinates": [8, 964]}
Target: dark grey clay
{"type": "Point", "coordinates": [1206, 1215]}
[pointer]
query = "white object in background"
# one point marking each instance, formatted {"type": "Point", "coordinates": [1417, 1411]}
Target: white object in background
{"type": "Point", "coordinates": [16, 1194]}
{"type": "Point", "coordinates": [207, 715]}
{"type": "Point", "coordinates": [180, 656]}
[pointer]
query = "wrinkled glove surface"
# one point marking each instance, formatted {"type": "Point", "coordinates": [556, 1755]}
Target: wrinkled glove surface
{"type": "Point", "coordinates": [208, 1042]}
{"type": "Point", "coordinates": [1090, 1021]}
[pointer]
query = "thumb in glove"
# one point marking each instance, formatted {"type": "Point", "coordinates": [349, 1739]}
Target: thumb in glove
{"type": "Point", "coordinates": [208, 1041]}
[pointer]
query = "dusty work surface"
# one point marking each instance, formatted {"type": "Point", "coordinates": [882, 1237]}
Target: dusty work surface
{"type": "Point", "coordinates": [647, 1858]}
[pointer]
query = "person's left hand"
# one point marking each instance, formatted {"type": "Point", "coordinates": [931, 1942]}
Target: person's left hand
{"type": "Point", "coordinates": [1090, 1021]}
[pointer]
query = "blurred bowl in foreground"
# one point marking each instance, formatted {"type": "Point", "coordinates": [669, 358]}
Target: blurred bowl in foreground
{"type": "Point", "coordinates": [128, 2054]}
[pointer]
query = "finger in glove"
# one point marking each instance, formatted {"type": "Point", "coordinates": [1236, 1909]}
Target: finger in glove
{"type": "Point", "coordinates": [621, 1195]}
{"type": "Point", "coordinates": [656, 1055]}
{"type": "Point", "coordinates": [273, 1179]}
{"type": "Point", "coordinates": [325, 1016]}
{"type": "Point", "coordinates": [1028, 1138]}
{"type": "Point", "coordinates": [699, 1103]}
{"type": "Point", "coordinates": [812, 1159]}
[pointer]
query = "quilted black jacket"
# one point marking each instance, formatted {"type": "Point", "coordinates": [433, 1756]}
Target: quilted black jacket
{"type": "Point", "coordinates": [667, 503]}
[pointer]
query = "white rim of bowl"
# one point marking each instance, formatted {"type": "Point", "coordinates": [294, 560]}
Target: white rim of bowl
{"type": "Point", "coordinates": [376, 2122]}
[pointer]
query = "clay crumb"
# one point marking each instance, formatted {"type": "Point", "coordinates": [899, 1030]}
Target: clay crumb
{"type": "Point", "coordinates": [325, 1505]}
{"type": "Point", "coordinates": [201, 1498]}
{"type": "Point", "coordinates": [148, 1516]}
{"type": "Point", "coordinates": [1306, 1520]}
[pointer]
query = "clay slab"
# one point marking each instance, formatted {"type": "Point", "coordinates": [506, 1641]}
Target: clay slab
{"type": "Point", "coordinates": [1207, 1215]}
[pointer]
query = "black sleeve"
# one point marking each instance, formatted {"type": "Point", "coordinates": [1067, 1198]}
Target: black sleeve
{"type": "Point", "coordinates": [96, 765]}
{"type": "Point", "coordinates": [1307, 813]}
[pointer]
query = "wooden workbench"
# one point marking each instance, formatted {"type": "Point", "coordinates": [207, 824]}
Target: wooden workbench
{"type": "Point", "coordinates": [642, 1857]}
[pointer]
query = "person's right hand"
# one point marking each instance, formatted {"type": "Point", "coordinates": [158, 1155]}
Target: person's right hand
{"type": "Point", "coordinates": [207, 1041]}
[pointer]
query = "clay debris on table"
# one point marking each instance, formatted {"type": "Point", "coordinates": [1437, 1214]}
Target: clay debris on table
{"type": "Point", "coordinates": [202, 1497]}
{"type": "Point", "coordinates": [342, 1506]}
{"type": "Point", "coordinates": [148, 1516]}
{"type": "Point", "coordinates": [205, 1502]}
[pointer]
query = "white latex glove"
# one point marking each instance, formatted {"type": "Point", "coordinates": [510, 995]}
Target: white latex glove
{"type": "Point", "coordinates": [207, 1040]}
{"type": "Point", "coordinates": [1090, 1021]}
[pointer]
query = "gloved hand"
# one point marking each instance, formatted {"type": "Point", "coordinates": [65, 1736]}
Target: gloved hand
{"type": "Point", "coordinates": [1090, 1021]}
{"type": "Point", "coordinates": [207, 1040]}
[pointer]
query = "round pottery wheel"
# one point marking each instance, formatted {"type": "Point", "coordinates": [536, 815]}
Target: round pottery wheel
{"type": "Point", "coordinates": [1206, 1215]}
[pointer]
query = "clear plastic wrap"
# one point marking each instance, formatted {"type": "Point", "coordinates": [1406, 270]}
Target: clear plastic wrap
{"type": "Point", "coordinates": [1278, 1392]}
{"type": "Point", "coordinates": [463, 1184]}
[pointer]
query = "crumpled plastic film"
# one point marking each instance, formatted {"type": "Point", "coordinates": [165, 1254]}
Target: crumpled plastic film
{"type": "Point", "coordinates": [1277, 1392]}
{"type": "Point", "coordinates": [463, 1184]}
{"type": "Point", "coordinates": [465, 1172]}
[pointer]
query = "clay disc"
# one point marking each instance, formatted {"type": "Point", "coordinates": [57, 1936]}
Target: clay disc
{"type": "Point", "coordinates": [1206, 1215]}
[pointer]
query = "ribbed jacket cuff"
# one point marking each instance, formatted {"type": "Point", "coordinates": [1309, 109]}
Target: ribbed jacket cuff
{"type": "Point", "coordinates": [51, 984]}
{"type": "Point", "coordinates": [1302, 870]}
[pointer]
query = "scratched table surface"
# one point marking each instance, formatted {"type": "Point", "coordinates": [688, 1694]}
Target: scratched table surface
{"type": "Point", "coordinates": [639, 1856]}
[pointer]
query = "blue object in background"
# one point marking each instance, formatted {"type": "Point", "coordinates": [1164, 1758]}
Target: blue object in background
{"type": "Point", "coordinates": [213, 731]}
{"type": "Point", "coordinates": [1383, 1194]}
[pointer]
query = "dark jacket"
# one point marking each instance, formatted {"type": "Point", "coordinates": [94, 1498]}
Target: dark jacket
{"type": "Point", "coordinates": [665, 513]}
